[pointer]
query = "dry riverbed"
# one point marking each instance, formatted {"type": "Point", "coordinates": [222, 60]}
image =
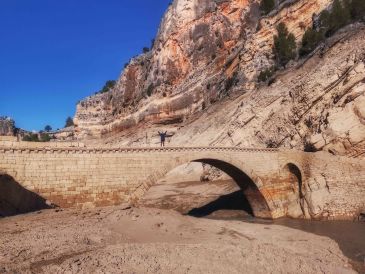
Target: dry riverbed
{"type": "Point", "coordinates": [146, 240]}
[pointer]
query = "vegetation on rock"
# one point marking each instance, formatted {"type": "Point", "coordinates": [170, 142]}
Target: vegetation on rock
{"type": "Point", "coordinates": [310, 41]}
{"type": "Point", "coordinates": [146, 50]}
{"type": "Point", "coordinates": [35, 137]}
{"type": "Point", "coordinates": [267, 6]}
{"type": "Point", "coordinates": [339, 15]}
{"type": "Point", "coordinates": [7, 126]}
{"type": "Point", "coordinates": [284, 45]}
{"type": "Point", "coordinates": [109, 85]}
{"type": "Point", "coordinates": [47, 128]}
{"type": "Point", "coordinates": [69, 122]}
{"type": "Point", "coordinates": [266, 74]}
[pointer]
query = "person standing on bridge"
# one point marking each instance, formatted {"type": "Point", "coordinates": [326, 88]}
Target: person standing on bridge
{"type": "Point", "coordinates": [163, 136]}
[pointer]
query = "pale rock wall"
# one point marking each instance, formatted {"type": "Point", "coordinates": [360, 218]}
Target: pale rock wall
{"type": "Point", "coordinates": [202, 47]}
{"type": "Point", "coordinates": [318, 101]}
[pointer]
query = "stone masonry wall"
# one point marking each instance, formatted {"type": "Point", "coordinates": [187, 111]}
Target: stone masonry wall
{"type": "Point", "coordinates": [332, 187]}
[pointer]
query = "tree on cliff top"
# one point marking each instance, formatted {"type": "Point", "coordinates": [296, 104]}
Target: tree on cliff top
{"type": "Point", "coordinates": [47, 128]}
{"type": "Point", "coordinates": [109, 85]}
{"type": "Point", "coordinates": [267, 6]}
{"type": "Point", "coordinates": [145, 49]}
{"type": "Point", "coordinates": [69, 122]}
{"type": "Point", "coordinates": [284, 45]}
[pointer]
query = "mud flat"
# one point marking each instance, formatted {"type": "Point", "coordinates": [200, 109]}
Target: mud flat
{"type": "Point", "coordinates": [145, 240]}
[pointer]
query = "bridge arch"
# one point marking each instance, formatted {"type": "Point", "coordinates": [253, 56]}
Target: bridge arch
{"type": "Point", "coordinates": [261, 204]}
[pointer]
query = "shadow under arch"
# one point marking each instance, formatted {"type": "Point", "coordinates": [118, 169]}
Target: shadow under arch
{"type": "Point", "coordinates": [257, 203]}
{"type": "Point", "coordinates": [15, 199]}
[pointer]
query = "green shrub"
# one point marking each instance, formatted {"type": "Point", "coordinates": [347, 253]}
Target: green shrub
{"type": "Point", "coordinates": [109, 85]}
{"type": "Point", "coordinates": [310, 41]}
{"type": "Point", "coordinates": [266, 74]}
{"type": "Point", "coordinates": [267, 6]}
{"type": "Point", "coordinates": [45, 137]}
{"type": "Point", "coordinates": [284, 45]}
{"type": "Point", "coordinates": [32, 137]}
{"type": "Point", "coordinates": [339, 16]}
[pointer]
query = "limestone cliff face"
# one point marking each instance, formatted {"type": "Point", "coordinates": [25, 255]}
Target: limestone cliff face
{"type": "Point", "coordinates": [165, 85]}
{"type": "Point", "coordinates": [207, 51]}
{"type": "Point", "coordinates": [199, 55]}
{"type": "Point", "coordinates": [7, 126]}
{"type": "Point", "coordinates": [320, 102]}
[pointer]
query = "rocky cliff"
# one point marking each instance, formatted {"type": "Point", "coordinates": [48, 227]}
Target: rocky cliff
{"type": "Point", "coordinates": [7, 126]}
{"type": "Point", "coordinates": [200, 81]}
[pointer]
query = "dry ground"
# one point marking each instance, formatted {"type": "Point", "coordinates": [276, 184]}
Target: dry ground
{"type": "Point", "coordinates": [143, 240]}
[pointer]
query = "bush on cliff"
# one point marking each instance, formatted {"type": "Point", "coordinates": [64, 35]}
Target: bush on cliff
{"type": "Point", "coordinates": [267, 6]}
{"type": "Point", "coordinates": [310, 41]}
{"type": "Point", "coordinates": [284, 45]}
{"type": "Point", "coordinates": [109, 85]}
{"type": "Point", "coordinates": [32, 137]}
{"type": "Point", "coordinates": [45, 137]}
{"type": "Point", "coordinates": [266, 74]}
{"type": "Point", "coordinates": [338, 17]}
{"type": "Point", "coordinates": [69, 122]}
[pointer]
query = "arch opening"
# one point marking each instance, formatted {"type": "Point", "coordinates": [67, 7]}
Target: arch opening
{"type": "Point", "coordinates": [295, 202]}
{"type": "Point", "coordinates": [234, 194]}
{"type": "Point", "coordinates": [296, 178]}
{"type": "Point", "coordinates": [249, 190]}
{"type": "Point", "coordinates": [15, 199]}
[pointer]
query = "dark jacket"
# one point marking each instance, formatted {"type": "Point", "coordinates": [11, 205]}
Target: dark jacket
{"type": "Point", "coordinates": [163, 135]}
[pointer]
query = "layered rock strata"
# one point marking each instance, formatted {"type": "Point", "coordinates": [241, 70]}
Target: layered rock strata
{"type": "Point", "coordinates": [200, 82]}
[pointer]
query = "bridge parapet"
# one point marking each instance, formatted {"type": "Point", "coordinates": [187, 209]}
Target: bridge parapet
{"type": "Point", "coordinates": [74, 146]}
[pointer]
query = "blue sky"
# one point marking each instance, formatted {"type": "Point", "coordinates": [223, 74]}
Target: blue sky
{"type": "Point", "coordinates": [54, 53]}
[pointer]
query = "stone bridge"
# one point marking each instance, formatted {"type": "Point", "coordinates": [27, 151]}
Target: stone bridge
{"type": "Point", "coordinates": [276, 183]}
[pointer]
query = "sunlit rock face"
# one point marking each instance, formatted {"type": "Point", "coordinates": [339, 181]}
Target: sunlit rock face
{"type": "Point", "coordinates": [208, 51]}
{"type": "Point", "coordinates": [184, 68]}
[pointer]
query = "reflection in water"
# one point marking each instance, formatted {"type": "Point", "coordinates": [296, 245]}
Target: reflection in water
{"type": "Point", "coordinates": [350, 236]}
